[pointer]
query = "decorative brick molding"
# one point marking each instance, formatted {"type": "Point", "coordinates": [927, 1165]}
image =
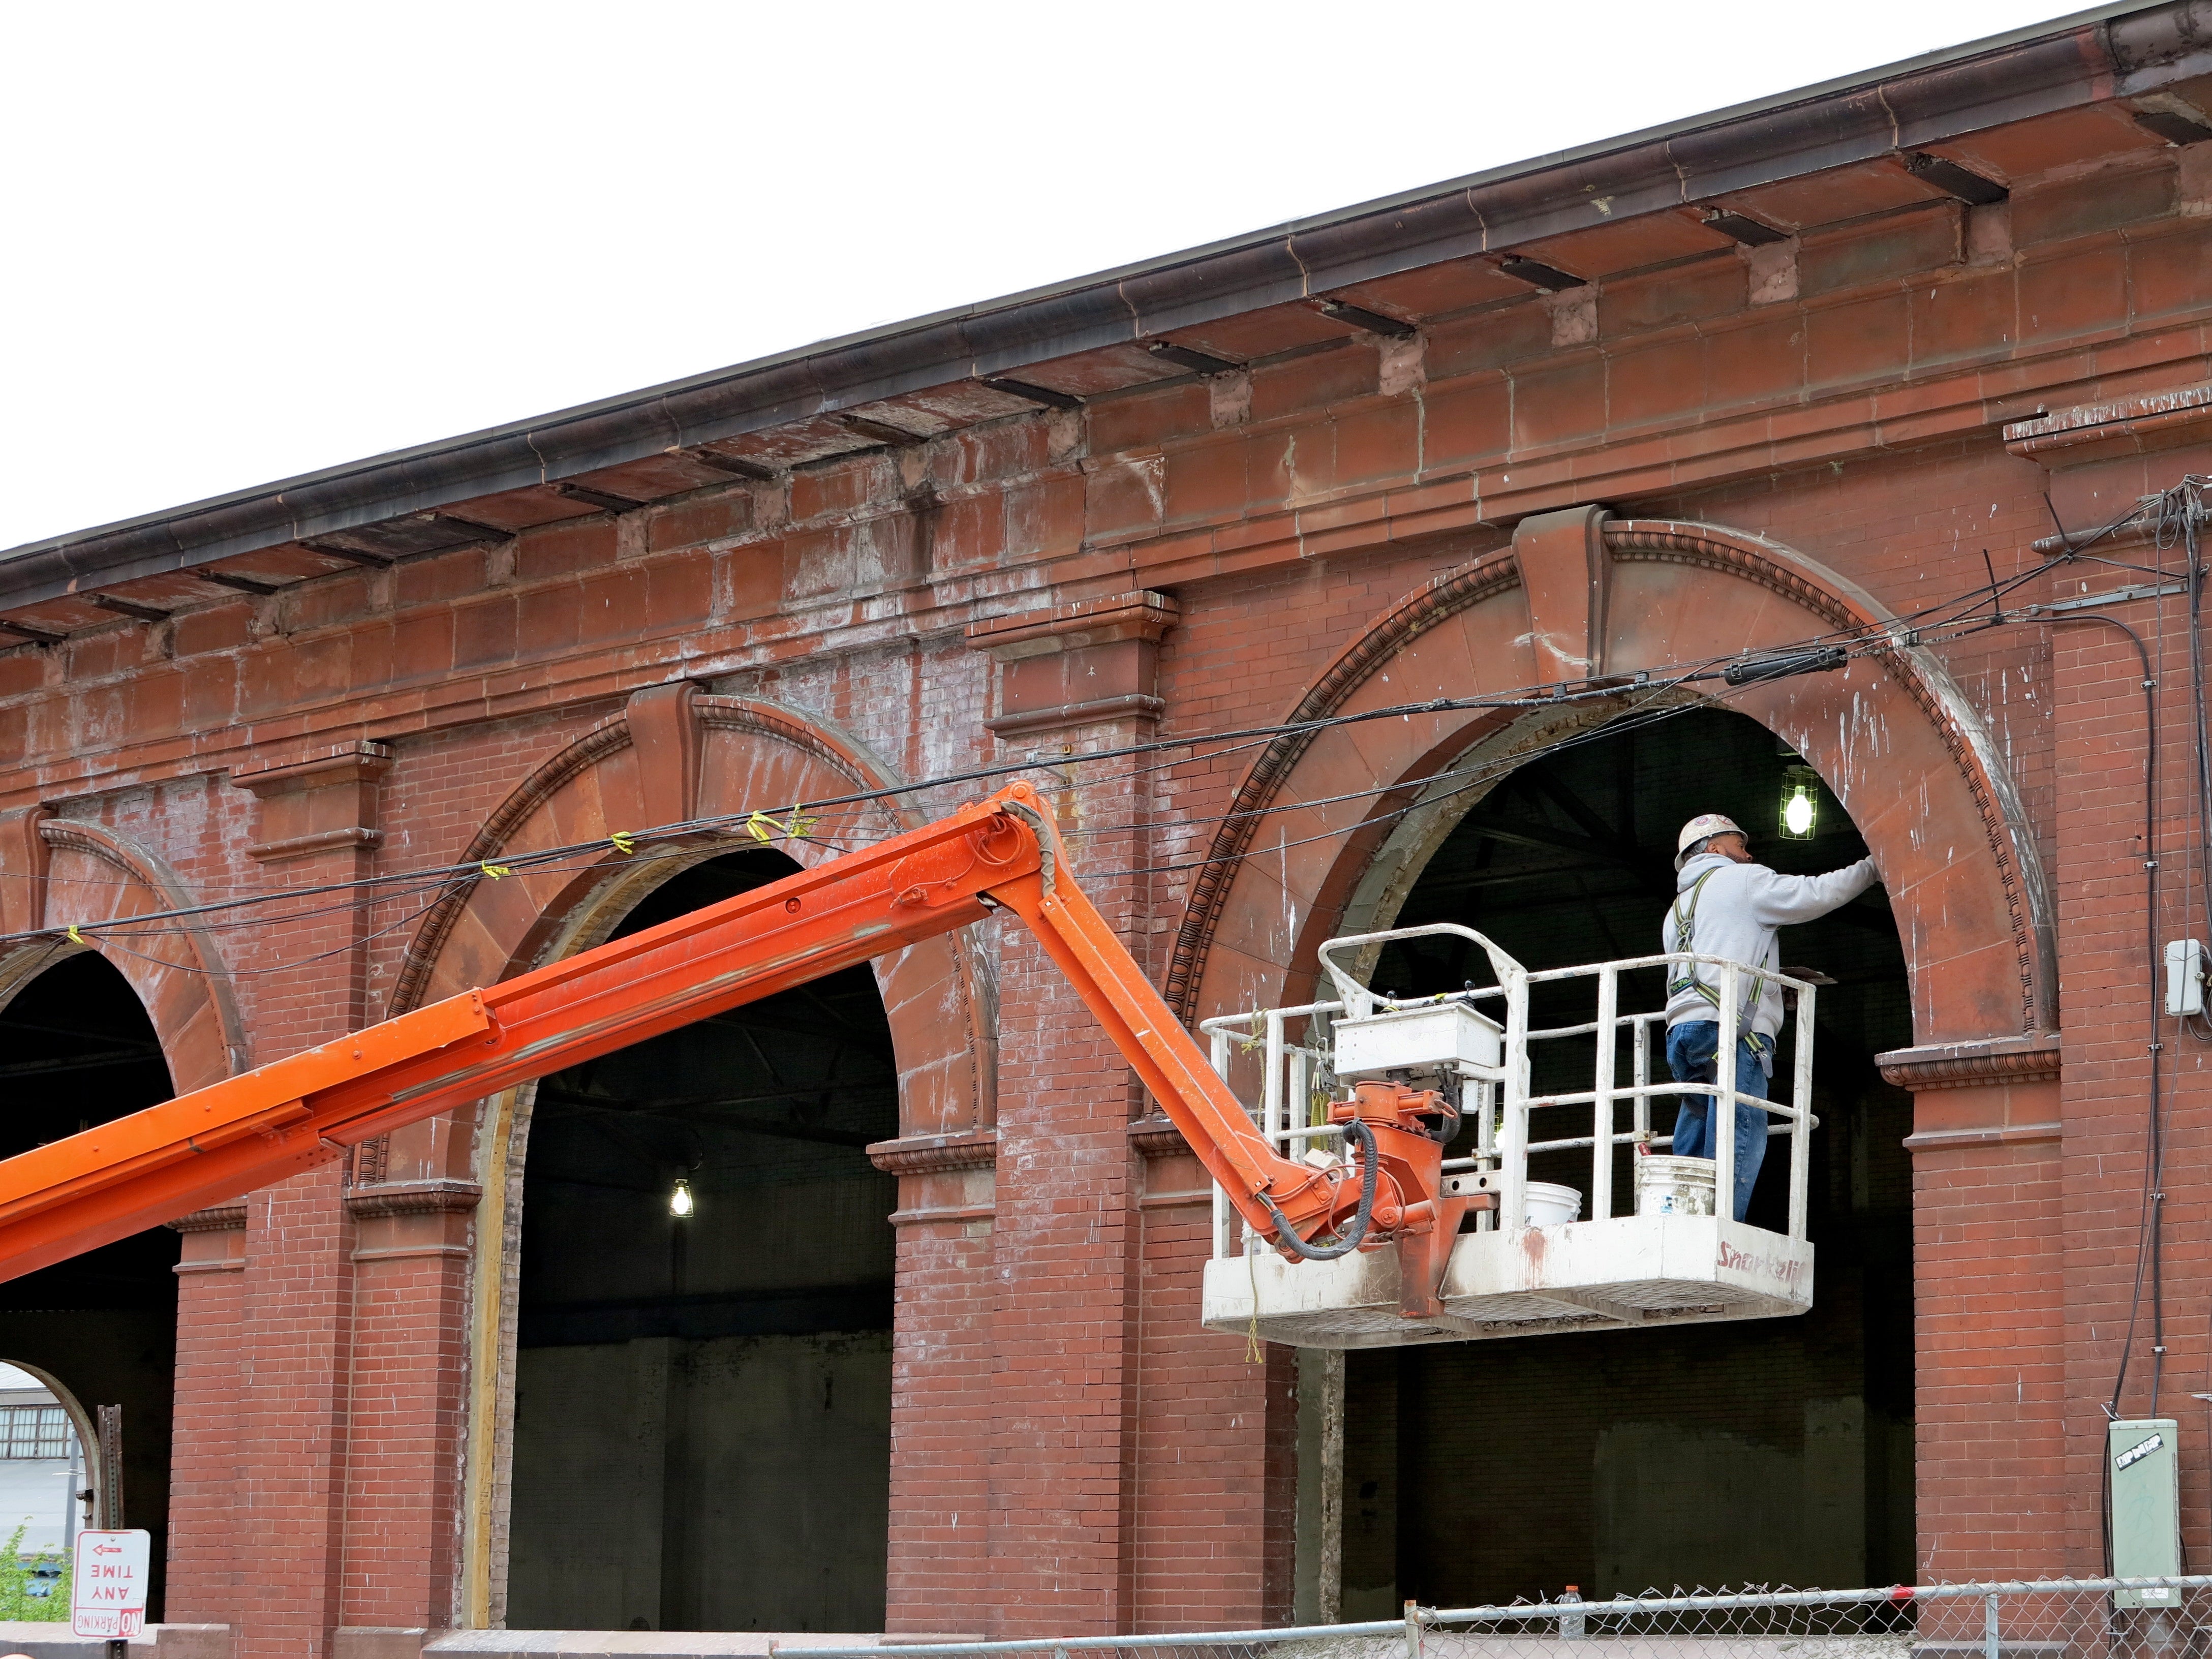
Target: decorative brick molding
{"type": "Point", "coordinates": [321, 802]}
{"type": "Point", "coordinates": [1157, 1137]}
{"type": "Point", "coordinates": [193, 1005]}
{"type": "Point", "coordinates": [1971, 792]}
{"type": "Point", "coordinates": [967, 1149]}
{"type": "Point", "coordinates": [214, 1241]}
{"type": "Point", "coordinates": [337, 763]}
{"type": "Point", "coordinates": [1080, 663]}
{"type": "Point", "coordinates": [215, 1218]}
{"type": "Point", "coordinates": [1972, 1065]}
{"type": "Point", "coordinates": [413, 1198]}
{"type": "Point", "coordinates": [1141, 615]}
{"type": "Point", "coordinates": [609, 736]}
{"type": "Point", "coordinates": [1412, 617]}
{"type": "Point", "coordinates": [2127, 426]}
{"type": "Point", "coordinates": [2029, 1064]}
{"type": "Point", "coordinates": [1754, 559]}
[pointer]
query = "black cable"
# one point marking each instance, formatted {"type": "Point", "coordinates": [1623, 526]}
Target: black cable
{"type": "Point", "coordinates": [1363, 1138]}
{"type": "Point", "coordinates": [2148, 1229]}
{"type": "Point", "coordinates": [1871, 635]}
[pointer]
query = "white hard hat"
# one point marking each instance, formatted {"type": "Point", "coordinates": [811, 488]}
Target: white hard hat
{"type": "Point", "coordinates": [1703, 827]}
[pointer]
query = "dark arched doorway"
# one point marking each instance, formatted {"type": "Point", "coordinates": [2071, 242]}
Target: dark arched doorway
{"type": "Point", "coordinates": [1766, 1451]}
{"type": "Point", "coordinates": [77, 1050]}
{"type": "Point", "coordinates": [702, 1402]}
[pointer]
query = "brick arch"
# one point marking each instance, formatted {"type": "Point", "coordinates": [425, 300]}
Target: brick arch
{"type": "Point", "coordinates": [1890, 733]}
{"type": "Point", "coordinates": [93, 879]}
{"type": "Point", "coordinates": [675, 755]}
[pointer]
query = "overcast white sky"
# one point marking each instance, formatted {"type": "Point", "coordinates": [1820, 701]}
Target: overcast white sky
{"type": "Point", "coordinates": [247, 241]}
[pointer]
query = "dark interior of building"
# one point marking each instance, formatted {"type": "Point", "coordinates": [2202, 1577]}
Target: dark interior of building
{"type": "Point", "coordinates": [702, 1400]}
{"type": "Point", "coordinates": [1765, 1451]}
{"type": "Point", "coordinates": [78, 1051]}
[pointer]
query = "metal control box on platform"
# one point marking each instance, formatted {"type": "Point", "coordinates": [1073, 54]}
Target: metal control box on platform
{"type": "Point", "coordinates": [2143, 1471]}
{"type": "Point", "coordinates": [1420, 1041]}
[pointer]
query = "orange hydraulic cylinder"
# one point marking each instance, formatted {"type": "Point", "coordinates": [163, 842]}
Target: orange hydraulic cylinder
{"type": "Point", "coordinates": [218, 1143]}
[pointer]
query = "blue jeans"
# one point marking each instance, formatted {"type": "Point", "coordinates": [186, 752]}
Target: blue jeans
{"type": "Point", "coordinates": [1694, 1055]}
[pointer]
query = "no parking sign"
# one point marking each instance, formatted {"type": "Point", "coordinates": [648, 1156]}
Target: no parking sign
{"type": "Point", "coordinates": [107, 1587]}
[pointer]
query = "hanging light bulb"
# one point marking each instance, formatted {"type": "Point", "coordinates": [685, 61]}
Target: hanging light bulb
{"type": "Point", "coordinates": [679, 1201]}
{"type": "Point", "coordinates": [1801, 803]}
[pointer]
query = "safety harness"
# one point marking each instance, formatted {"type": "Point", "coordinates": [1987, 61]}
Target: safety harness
{"type": "Point", "coordinates": [1685, 926]}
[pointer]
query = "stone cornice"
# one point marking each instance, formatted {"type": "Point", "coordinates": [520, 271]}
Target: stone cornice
{"type": "Point", "coordinates": [960, 1149]}
{"type": "Point", "coordinates": [1972, 1065]}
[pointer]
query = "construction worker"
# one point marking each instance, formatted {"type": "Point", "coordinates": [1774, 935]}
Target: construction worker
{"type": "Point", "coordinates": [1728, 905]}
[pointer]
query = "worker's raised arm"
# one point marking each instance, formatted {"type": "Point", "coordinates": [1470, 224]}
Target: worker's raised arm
{"type": "Point", "coordinates": [1776, 900]}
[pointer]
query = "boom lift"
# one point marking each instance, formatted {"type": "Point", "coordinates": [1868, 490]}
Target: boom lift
{"type": "Point", "coordinates": [1527, 1266]}
{"type": "Point", "coordinates": [1378, 1216]}
{"type": "Point", "coordinates": [218, 1143]}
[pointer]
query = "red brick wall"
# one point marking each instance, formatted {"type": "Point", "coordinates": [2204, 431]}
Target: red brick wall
{"type": "Point", "coordinates": [1070, 1453]}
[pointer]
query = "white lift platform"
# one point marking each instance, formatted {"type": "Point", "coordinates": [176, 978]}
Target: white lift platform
{"type": "Point", "coordinates": [1674, 1263]}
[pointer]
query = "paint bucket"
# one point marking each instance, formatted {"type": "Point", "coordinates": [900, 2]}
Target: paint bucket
{"type": "Point", "coordinates": [1673, 1186]}
{"type": "Point", "coordinates": [1549, 1205]}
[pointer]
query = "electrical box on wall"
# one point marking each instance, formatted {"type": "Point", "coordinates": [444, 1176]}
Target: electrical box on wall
{"type": "Point", "coordinates": [2141, 1468]}
{"type": "Point", "coordinates": [2185, 976]}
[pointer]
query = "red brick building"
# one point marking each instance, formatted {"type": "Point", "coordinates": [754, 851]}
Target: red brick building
{"type": "Point", "coordinates": [927, 1357]}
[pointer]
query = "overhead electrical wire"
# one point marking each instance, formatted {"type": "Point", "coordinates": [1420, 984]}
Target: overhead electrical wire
{"type": "Point", "coordinates": [1914, 628]}
{"type": "Point", "coordinates": [2176, 517]}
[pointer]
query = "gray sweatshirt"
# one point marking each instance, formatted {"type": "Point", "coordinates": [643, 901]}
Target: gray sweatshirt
{"type": "Point", "coordinates": [1737, 912]}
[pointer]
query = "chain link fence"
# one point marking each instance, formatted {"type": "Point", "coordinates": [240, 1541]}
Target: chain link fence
{"type": "Point", "coordinates": [2052, 1619]}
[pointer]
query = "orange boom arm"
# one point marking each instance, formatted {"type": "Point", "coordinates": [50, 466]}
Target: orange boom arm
{"type": "Point", "coordinates": [219, 1143]}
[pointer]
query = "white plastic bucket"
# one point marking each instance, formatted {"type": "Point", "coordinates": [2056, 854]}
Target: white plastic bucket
{"type": "Point", "coordinates": [1673, 1186]}
{"type": "Point", "coordinates": [1550, 1204]}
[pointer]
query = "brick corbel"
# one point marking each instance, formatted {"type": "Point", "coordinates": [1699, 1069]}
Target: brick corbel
{"type": "Point", "coordinates": [323, 801]}
{"type": "Point", "coordinates": [1073, 665]}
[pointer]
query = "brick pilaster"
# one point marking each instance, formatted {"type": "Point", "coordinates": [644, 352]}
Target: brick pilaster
{"type": "Point", "coordinates": [204, 1470]}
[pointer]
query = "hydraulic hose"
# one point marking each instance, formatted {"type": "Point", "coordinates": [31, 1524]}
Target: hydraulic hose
{"type": "Point", "coordinates": [1363, 1138]}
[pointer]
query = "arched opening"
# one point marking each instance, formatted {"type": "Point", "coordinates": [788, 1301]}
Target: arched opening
{"type": "Point", "coordinates": [77, 1049]}
{"type": "Point", "coordinates": [1767, 1451]}
{"type": "Point", "coordinates": [43, 1479]}
{"type": "Point", "coordinates": [702, 1400]}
